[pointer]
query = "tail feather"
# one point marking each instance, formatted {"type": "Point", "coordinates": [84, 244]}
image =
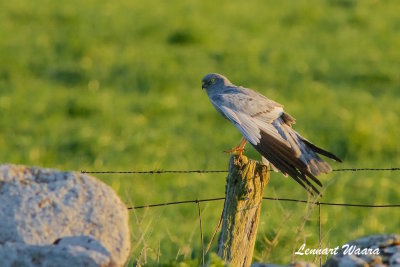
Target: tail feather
{"type": "Point", "coordinates": [283, 158]}
{"type": "Point", "coordinates": [320, 150]}
{"type": "Point", "coordinates": [294, 155]}
{"type": "Point", "coordinates": [314, 164]}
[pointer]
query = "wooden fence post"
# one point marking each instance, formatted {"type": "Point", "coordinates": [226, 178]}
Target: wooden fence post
{"type": "Point", "coordinates": [243, 196]}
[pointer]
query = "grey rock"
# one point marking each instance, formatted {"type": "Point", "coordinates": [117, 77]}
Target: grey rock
{"type": "Point", "coordinates": [303, 264]}
{"type": "Point", "coordinates": [350, 260]}
{"type": "Point", "coordinates": [48, 215]}
{"type": "Point", "coordinates": [296, 264]}
{"type": "Point", "coordinates": [395, 260]}
{"type": "Point", "coordinates": [388, 246]}
{"type": "Point", "coordinates": [266, 265]}
{"type": "Point", "coordinates": [19, 254]}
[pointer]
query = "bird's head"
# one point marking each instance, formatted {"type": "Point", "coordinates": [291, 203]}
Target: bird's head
{"type": "Point", "coordinates": [214, 81]}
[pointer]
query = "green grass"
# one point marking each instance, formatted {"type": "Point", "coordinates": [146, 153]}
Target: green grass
{"type": "Point", "coordinates": [96, 85]}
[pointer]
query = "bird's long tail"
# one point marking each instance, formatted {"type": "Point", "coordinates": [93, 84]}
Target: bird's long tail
{"type": "Point", "coordinates": [299, 159]}
{"type": "Point", "coordinates": [309, 155]}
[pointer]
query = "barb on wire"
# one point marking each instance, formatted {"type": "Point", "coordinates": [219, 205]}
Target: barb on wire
{"type": "Point", "coordinates": [224, 171]}
{"type": "Point", "coordinates": [273, 199]}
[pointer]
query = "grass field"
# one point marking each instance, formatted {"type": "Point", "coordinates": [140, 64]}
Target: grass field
{"type": "Point", "coordinates": [95, 85]}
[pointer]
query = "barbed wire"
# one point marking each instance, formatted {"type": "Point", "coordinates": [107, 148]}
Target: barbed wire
{"type": "Point", "coordinates": [155, 171]}
{"type": "Point", "coordinates": [176, 203]}
{"type": "Point", "coordinates": [224, 171]}
{"type": "Point", "coordinates": [318, 203]}
{"type": "Point", "coordinates": [366, 169]}
{"type": "Point", "coordinates": [269, 198]}
{"type": "Point", "coordinates": [198, 201]}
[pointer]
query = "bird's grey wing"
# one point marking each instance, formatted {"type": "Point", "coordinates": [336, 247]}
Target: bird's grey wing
{"type": "Point", "coordinates": [248, 129]}
{"type": "Point", "coordinates": [253, 103]}
{"type": "Point", "coordinates": [249, 114]}
{"type": "Point", "coordinates": [255, 117]}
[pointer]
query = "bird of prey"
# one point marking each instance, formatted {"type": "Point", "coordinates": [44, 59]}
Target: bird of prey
{"type": "Point", "coordinates": [268, 128]}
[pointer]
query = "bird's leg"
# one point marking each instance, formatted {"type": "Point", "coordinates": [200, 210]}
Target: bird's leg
{"type": "Point", "coordinates": [239, 149]}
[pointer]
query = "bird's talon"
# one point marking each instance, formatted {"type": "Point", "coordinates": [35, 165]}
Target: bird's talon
{"type": "Point", "coordinates": [236, 150]}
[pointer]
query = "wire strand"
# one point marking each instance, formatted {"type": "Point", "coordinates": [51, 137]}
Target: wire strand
{"type": "Point", "coordinates": [175, 203]}
{"type": "Point", "coordinates": [270, 198]}
{"type": "Point", "coordinates": [224, 171]}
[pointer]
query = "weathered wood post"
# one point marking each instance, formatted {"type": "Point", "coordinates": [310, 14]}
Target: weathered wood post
{"type": "Point", "coordinates": [243, 196]}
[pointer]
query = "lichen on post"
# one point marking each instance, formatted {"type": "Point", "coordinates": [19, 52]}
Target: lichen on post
{"type": "Point", "coordinates": [243, 197]}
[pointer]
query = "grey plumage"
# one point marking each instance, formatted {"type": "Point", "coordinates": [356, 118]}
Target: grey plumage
{"type": "Point", "coordinates": [266, 126]}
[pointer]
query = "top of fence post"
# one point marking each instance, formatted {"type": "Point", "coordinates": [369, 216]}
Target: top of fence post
{"type": "Point", "coordinates": [243, 197]}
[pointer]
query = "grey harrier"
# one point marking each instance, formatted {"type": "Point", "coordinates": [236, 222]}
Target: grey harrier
{"type": "Point", "coordinates": [265, 125]}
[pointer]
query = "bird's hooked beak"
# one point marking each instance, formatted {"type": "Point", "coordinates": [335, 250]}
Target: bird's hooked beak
{"type": "Point", "coordinates": [203, 85]}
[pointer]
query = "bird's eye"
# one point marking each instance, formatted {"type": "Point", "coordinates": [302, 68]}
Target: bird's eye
{"type": "Point", "coordinates": [212, 80]}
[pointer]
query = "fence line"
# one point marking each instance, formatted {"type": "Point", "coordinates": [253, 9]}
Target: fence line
{"type": "Point", "coordinates": [198, 201]}
{"type": "Point", "coordinates": [155, 171]}
{"type": "Point", "coordinates": [269, 198]}
{"type": "Point", "coordinates": [176, 203]}
{"type": "Point", "coordinates": [318, 203]}
{"type": "Point", "coordinates": [224, 171]}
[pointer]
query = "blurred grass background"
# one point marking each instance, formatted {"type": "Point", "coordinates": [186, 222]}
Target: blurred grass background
{"type": "Point", "coordinates": [99, 85]}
